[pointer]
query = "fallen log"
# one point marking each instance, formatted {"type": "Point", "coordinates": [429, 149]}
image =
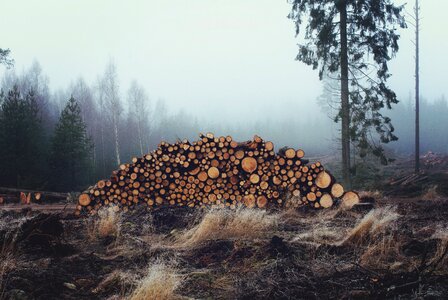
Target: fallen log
{"type": "Point", "coordinates": [37, 195]}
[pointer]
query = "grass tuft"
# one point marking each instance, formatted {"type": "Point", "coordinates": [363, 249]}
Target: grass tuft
{"type": "Point", "coordinates": [107, 224]}
{"type": "Point", "coordinates": [372, 226]}
{"type": "Point", "coordinates": [160, 283]}
{"type": "Point", "coordinates": [431, 193]}
{"type": "Point", "coordinates": [229, 224]}
{"type": "Point", "coordinates": [440, 259]}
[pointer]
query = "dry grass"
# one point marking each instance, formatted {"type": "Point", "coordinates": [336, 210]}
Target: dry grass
{"type": "Point", "coordinates": [7, 263]}
{"type": "Point", "coordinates": [431, 193]}
{"type": "Point", "coordinates": [371, 194]}
{"type": "Point", "coordinates": [440, 258]}
{"type": "Point", "coordinates": [8, 258]}
{"type": "Point", "coordinates": [323, 227]}
{"type": "Point", "coordinates": [321, 233]}
{"type": "Point", "coordinates": [229, 224]}
{"type": "Point", "coordinates": [372, 226]}
{"type": "Point", "coordinates": [160, 283]}
{"type": "Point", "coordinates": [376, 238]}
{"type": "Point", "coordinates": [107, 224]}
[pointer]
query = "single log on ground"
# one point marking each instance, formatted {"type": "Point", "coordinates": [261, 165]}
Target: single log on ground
{"type": "Point", "coordinates": [350, 199]}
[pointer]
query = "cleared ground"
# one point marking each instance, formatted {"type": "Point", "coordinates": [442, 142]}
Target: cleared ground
{"type": "Point", "coordinates": [397, 249]}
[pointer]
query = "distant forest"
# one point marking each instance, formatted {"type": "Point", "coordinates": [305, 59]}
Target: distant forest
{"type": "Point", "coordinates": [120, 124]}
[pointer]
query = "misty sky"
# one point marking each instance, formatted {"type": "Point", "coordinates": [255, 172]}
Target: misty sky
{"type": "Point", "coordinates": [214, 57]}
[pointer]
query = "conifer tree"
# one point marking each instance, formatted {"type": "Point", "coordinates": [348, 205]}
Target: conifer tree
{"type": "Point", "coordinates": [20, 140]}
{"type": "Point", "coordinates": [354, 39]}
{"type": "Point", "coordinates": [71, 150]}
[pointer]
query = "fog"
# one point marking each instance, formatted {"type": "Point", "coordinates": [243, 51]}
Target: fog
{"type": "Point", "coordinates": [230, 64]}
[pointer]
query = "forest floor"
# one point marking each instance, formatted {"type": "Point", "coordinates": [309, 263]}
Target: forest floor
{"type": "Point", "coordinates": [395, 248]}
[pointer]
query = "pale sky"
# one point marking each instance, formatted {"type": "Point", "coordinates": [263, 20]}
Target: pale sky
{"type": "Point", "coordinates": [208, 56]}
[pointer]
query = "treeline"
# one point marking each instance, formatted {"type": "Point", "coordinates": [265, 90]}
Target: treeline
{"type": "Point", "coordinates": [70, 138]}
{"type": "Point", "coordinates": [112, 125]}
{"type": "Point", "coordinates": [67, 139]}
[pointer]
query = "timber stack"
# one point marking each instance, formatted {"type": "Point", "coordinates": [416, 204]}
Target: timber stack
{"type": "Point", "coordinates": [220, 172]}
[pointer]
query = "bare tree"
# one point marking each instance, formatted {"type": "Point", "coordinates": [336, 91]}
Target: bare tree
{"type": "Point", "coordinates": [101, 124]}
{"type": "Point", "coordinates": [417, 87]}
{"type": "Point", "coordinates": [139, 110]}
{"type": "Point", "coordinates": [112, 103]}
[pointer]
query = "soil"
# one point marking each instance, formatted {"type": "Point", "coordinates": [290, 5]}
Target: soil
{"type": "Point", "coordinates": [54, 255]}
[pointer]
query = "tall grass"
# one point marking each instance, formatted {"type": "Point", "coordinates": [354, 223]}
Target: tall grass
{"type": "Point", "coordinates": [160, 282]}
{"type": "Point", "coordinates": [229, 224]}
{"type": "Point", "coordinates": [107, 224]}
{"type": "Point", "coordinates": [372, 226]}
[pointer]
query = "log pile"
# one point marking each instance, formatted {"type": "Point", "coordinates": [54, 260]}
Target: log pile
{"type": "Point", "coordinates": [217, 171]}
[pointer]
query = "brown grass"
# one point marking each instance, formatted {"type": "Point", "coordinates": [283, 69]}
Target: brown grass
{"type": "Point", "coordinates": [376, 237]}
{"type": "Point", "coordinates": [8, 258]}
{"type": "Point", "coordinates": [229, 224]}
{"type": "Point", "coordinates": [107, 224]}
{"type": "Point", "coordinates": [372, 226]}
{"type": "Point", "coordinates": [322, 228]}
{"type": "Point", "coordinates": [7, 263]}
{"type": "Point", "coordinates": [431, 193]}
{"type": "Point", "coordinates": [440, 258]}
{"type": "Point", "coordinates": [371, 194]}
{"type": "Point", "coordinates": [160, 283]}
{"type": "Point", "coordinates": [321, 233]}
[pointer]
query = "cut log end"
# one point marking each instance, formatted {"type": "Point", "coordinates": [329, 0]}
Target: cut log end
{"type": "Point", "coordinates": [262, 201]}
{"type": "Point", "coordinates": [323, 180]}
{"type": "Point", "coordinates": [337, 190]}
{"type": "Point", "coordinates": [84, 200]}
{"type": "Point", "coordinates": [300, 153]}
{"type": "Point", "coordinates": [254, 178]}
{"type": "Point", "coordinates": [249, 164]}
{"type": "Point", "coordinates": [213, 173]}
{"type": "Point", "coordinates": [290, 153]}
{"type": "Point", "coordinates": [311, 196]}
{"type": "Point", "coordinates": [269, 146]}
{"type": "Point", "coordinates": [101, 184]}
{"type": "Point", "coordinates": [349, 200]}
{"type": "Point", "coordinates": [326, 201]}
{"type": "Point", "coordinates": [202, 176]}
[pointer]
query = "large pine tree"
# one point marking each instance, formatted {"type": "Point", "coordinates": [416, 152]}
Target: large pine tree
{"type": "Point", "coordinates": [71, 158]}
{"type": "Point", "coordinates": [354, 39]}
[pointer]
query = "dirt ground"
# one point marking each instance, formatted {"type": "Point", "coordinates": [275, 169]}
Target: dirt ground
{"type": "Point", "coordinates": [395, 249]}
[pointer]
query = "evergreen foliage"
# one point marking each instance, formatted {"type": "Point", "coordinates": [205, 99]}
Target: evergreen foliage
{"type": "Point", "coordinates": [20, 139]}
{"type": "Point", "coordinates": [372, 41]}
{"type": "Point", "coordinates": [71, 150]}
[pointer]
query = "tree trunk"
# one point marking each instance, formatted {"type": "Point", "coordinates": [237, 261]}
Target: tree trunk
{"type": "Point", "coordinates": [417, 92]}
{"type": "Point", "coordinates": [345, 108]}
{"type": "Point", "coordinates": [117, 142]}
{"type": "Point", "coordinates": [140, 139]}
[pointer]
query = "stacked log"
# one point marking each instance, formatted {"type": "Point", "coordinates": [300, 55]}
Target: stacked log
{"type": "Point", "coordinates": [217, 171]}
